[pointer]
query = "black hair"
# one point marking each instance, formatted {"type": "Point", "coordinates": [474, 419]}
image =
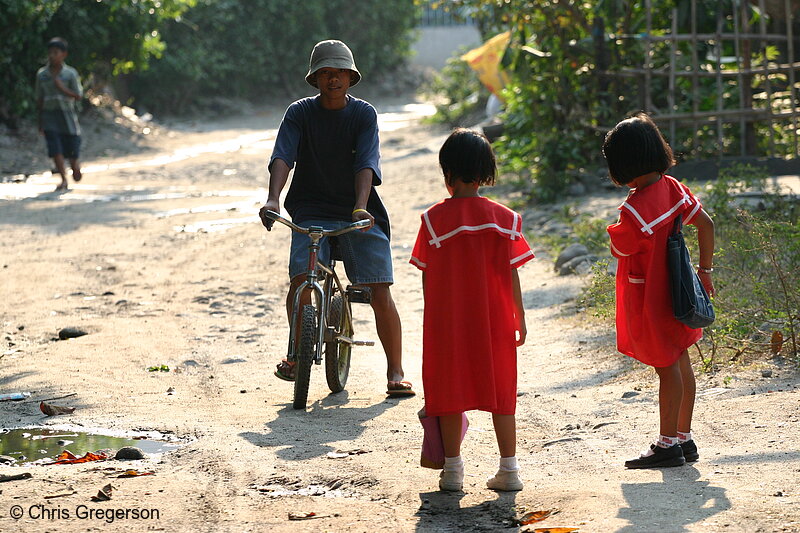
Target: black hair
{"type": "Point", "coordinates": [58, 42]}
{"type": "Point", "coordinates": [635, 147]}
{"type": "Point", "coordinates": [467, 155]}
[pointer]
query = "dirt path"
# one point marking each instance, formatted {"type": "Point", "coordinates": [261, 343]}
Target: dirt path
{"type": "Point", "coordinates": [165, 264]}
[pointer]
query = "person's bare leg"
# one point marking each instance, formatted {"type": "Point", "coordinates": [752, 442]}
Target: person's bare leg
{"type": "Point", "coordinates": [507, 476]}
{"type": "Point", "coordinates": [390, 331]}
{"type": "Point", "coordinates": [505, 429]}
{"type": "Point", "coordinates": [450, 426]}
{"type": "Point", "coordinates": [452, 476]}
{"type": "Point", "coordinates": [689, 389]}
{"type": "Point", "coordinates": [75, 165]}
{"type": "Point", "coordinates": [58, 161]}
{"type": "Point", "coordinates": [670, 394]}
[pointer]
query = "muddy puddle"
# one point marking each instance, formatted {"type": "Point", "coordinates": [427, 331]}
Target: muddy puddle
{"type": "Point", "coordinates": [36, 444]}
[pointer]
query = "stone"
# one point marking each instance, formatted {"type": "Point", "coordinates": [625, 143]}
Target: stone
{"type": "Point", "coordinates": [581, 265]}
{"type": "Point", "coordinates": [70, 333]}
{"type": "Point", "coordinates": [570, 252]}
{"type": "Point", "coordinates": [129, 453]}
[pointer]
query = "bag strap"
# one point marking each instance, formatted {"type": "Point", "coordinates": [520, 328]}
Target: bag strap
{"type": "Point", "coordinates": [676, 227]}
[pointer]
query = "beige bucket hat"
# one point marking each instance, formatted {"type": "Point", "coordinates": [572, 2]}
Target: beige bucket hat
{"type": "Point", "coordinates": [331, 54]}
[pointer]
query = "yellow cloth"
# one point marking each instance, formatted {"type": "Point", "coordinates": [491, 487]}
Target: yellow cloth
{"type": "Point", "coordinates": [485, 60]}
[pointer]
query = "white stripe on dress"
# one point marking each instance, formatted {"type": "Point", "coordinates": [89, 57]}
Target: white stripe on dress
{"type": "Point", "coordinates": [435, 239]}
{"type": "Point", "coordinates": [418, 262]}
{"type": "Point", "coordinates": [614, 249]}
{"type": "Point", "coordinates": [521, 257]}
{"type": "Point", "coordinates": [438, 240]}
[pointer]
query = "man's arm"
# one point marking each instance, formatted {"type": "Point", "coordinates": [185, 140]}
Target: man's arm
{"type": "Point", "coordinates": [363, 185]}
{"type": "Point", "coordinates": [278, 176]}
{"type": "Point", "coordinates": [64, 89]}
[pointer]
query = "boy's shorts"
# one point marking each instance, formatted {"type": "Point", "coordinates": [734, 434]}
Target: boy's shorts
{"type": "Point", "coordinates": [367, 255]}
{"type": "Point", "coordinates": [62, 143]}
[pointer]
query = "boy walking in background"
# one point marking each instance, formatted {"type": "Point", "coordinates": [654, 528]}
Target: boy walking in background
{"type": "Point", "coordinates": [58, 87]}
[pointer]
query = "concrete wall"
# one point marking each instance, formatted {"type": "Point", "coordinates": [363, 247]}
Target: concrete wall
{"type": "Point", "coordinates": [436, 44]}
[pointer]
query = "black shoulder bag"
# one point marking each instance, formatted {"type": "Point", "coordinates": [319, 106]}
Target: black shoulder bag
{"type": "Point", "coordinates": [690, 302]}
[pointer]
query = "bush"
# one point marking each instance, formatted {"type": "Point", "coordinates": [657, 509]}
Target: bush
{"type": "Point", "coordinates": [758, 272]}
{"type": "Point", "coordinates": [251, 49]}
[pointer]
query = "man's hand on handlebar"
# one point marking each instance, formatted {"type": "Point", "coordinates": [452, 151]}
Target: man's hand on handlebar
{"type": "Point", "coordinates": [269, 206]}
{"type": "Point", "coordinates": [363, 214]}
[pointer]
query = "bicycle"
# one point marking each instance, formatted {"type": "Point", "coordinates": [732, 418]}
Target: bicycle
{"type": "Point", "coordinates": [325, 324]}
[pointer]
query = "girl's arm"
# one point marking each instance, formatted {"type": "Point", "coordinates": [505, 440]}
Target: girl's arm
{"type": "Point", "coordinates": [519, 310]}
{"type": "Point", "coordinates": [705, 240]}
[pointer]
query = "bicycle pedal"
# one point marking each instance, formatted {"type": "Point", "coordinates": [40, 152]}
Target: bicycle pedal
{"type": "Point", "coordinates": [343, 339]}
{"type": "Point", "coordinates": [359, 295]}
{"type": "Point", "coordinates": [364, 343]}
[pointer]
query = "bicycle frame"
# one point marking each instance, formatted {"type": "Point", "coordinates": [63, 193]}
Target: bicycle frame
{"type": "Point", "coordinates": [315, 272]}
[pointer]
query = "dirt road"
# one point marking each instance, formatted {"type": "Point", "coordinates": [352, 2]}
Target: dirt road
{"type": "Point", "coordinates": [163, 262]}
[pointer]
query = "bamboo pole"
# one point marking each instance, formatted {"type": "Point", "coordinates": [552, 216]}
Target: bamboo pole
{"type": "Point", "coordinates": [790, 51]}
{"type": "Point", "coordinates": [672, 61]}
{"type": "Point", "coordinates": [706, 37]}
{"type": "Point", "coordinates": [695, 72]}
{"type": "Point", "coordinates": [740, 80]}
{"type": "Point", "coordinates": [636, 72]}
{"type": "Point", "coordinates": [718, 50]}
{"type": "Point", "coordinates": [762, 23]}
{"type": "Point", "coordinates": [647, 55]}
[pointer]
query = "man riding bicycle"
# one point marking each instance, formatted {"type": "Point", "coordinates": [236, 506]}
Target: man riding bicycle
{"type": "Point", "coordinates": [332, 142]}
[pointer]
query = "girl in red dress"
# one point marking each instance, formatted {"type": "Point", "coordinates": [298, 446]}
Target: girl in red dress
{"type": "Point", "coordinates": [468, 249]}
{"type": "Point", "coordinates": [637, 156]}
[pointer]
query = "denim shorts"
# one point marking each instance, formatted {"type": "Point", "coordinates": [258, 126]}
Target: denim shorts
{"type": "Point", "coordinates": [367, 255]}
{"type": "Point", "coordinates": [62, 143]}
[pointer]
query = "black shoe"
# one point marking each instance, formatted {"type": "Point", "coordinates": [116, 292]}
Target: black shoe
{"type": "Point", "coordinates": [662, 457]}
{"type": "Point", "coordinates": [690, 451]}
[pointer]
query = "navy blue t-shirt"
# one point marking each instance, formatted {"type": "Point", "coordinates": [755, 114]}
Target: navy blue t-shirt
{"type": "Point", "coordinates": [327, 148]}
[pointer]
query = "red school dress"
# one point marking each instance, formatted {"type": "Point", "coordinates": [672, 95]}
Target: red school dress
{"type": "Point", "coordinates": [646, 327]}
{"type": "Point", "coordinates": [467, 248]}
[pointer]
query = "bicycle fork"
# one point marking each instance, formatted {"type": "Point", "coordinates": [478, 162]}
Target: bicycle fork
{"type": "Point", "coordinates": [311, 281]}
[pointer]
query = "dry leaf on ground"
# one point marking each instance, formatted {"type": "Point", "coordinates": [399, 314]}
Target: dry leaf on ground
{"type": "Point", "coordinates": [776, 342]}
{"type": "Point", "coordinates": [51, 410]}
{"type": "Point", "coordinates": [306, 516]}
{"type": "Point", "coordinates": [104, 494]}
{"type": "Point", "coordinates": [135, 473]}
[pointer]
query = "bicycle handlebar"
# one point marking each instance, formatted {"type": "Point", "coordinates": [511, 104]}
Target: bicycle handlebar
{"type": "Point", "coordinates": [275, 217]}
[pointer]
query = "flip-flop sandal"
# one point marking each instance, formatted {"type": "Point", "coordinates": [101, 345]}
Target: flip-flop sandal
{"type": "Point", "coordinates": [399, 389]}
{"type": "Point", "coordinates": [285, 371]}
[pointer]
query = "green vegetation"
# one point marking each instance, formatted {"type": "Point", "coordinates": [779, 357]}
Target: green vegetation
{"type": "Point", "coordinates": [173, 55]}
{"type": "Point", "coordinates": [107, 38]}
{"type": "Point", "coordinates": [561, 98]}
{"type": "Point", "coordinates": [255, 48]}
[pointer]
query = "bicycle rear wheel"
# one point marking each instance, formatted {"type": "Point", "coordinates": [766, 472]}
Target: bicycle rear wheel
{"type": "Point", "coordinates": [337, 355]}
{"type": "Point", "coordinates": [305, 357]}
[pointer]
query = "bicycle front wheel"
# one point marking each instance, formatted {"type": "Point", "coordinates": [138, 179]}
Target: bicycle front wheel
{"type": "Point", "coordinates": [305, 357]}
{"type": "Point", "coordinates": [337, 354]}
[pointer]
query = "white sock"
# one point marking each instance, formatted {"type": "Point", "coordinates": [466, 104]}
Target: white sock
{"type": "Point", "coordinates": [509, 464]}
{"type": "Point", "coordinates": [666, 442]}
{"type": "Point", "coordinates": [453, 464]}
{"type": "Point", "coordinates": [683, 437]}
